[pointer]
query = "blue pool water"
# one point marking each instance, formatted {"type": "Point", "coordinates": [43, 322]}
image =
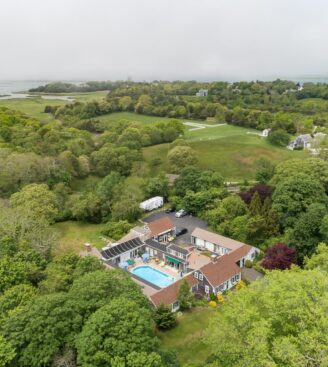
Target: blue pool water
{"type": "Point", "coordinates": [153, 276]}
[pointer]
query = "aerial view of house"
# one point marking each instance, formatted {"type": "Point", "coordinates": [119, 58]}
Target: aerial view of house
{"type": "Point", "coordinates": [211, 263]}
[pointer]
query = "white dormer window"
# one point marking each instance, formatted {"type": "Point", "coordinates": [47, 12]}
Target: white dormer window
{"type": "Point", "coordinates": [196, 275]}
{"type": "Point", "coordinates": [200, 277]}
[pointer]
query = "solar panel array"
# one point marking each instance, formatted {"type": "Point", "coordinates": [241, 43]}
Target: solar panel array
{"type": "Point", "coordinates": [121, 248]}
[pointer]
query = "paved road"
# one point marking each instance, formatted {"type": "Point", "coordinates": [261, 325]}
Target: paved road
{"type": "Point", "coordinates": [188, 222]}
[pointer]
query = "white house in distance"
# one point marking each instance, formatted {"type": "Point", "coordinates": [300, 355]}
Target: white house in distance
{"type": "Point", "coordinates": [307, 141]}
{"type": "Point", "coordinates": [265, 133]}
{"type": "Point", "coordinates": [202, 93]}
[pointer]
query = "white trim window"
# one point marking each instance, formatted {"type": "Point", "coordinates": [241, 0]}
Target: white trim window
{"type": "Point", "coordinates": [200, 277]}
{"type": "Point", "coordinates": [207, 289]}
{"type": "Point", "coordinates": [196, 274]}
{"type": "Point", "coordinates": [175, 306]}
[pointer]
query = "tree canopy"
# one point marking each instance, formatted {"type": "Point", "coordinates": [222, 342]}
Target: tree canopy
{"type": "Point", "coordinates": [285, 323]}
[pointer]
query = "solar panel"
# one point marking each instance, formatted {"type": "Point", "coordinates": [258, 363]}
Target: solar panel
{"type": "Point", "coordinates": [121, 248]}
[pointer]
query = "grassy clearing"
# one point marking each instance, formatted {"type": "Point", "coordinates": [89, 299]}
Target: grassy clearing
{"type": "Point", "coordinates": [227, 149]}
{"type": "Point", "coordinates": [73, 235]}
{"type": "Point", "coordinates": [116, 117]}
{"type": "Point", "coordinates": [113, 118]}
{"type": "Point", "coordinates": [34, 106]}
{"type": "Point", "coordinates": [186, 338]}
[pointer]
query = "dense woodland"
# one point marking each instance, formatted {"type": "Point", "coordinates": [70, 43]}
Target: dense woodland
{"type": "Point", "coordinates": [278, 105]}
{"type": "Point", "coordinates": [71, 311]}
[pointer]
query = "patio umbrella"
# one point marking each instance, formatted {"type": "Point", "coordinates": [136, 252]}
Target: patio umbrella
{"type": "Point", "coordinates": [145, 256]}
{"type": "Point", "coordinates": [123, 265]}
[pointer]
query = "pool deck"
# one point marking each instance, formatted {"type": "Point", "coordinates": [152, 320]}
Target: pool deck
{"type": "Point", "coordinates": [147, 289]}
{"type": "Point", "coordinates": [164, 269]}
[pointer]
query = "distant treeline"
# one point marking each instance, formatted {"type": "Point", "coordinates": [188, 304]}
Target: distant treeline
{"type": "Point", "coordinates": [248, 92]}
{"type": "Point", "coordinates": [60, 87]}
{"type": "Point", "coordinates": [276, 105]}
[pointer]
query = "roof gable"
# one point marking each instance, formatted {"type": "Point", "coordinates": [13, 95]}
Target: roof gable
{"type": "Point", "coordinates": [161, 225]}
{"type": "Point", "coordinates": [220, 271]}
{"type": "Point", "coordinates": [169, 295]}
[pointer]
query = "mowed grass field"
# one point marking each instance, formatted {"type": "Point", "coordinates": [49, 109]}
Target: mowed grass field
{"type": "Point", "coordinates": [228, 149]}
{"type": "Point", "coordinates": [34, 106]}
{"type": "Point", "coordinates": [186, 338]}
{"type": "Point", "coordinates": [113, 118]}
{"type": "Point", "coordinates": [73, 235]}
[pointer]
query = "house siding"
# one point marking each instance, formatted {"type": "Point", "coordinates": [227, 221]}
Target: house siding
{"type": "Point", "coordinates": [203, 283]}
{"type": "Point", "coordinates": [213, 247]}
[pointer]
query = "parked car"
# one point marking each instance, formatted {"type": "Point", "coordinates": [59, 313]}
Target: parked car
{"type": "Point", "coordinates": [180, 231]}
{"type": "Point", "coordinates": [169, 210]}
{"type": "Point", "coordinates": [181, 213]}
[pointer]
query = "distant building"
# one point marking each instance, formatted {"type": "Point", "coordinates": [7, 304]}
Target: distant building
{"type": "Point", "coordinates": [265, 133]}
{"type": "Point", "coordinates": [306, 141]}
{"type": "Point", "coordinates": [202, 93]}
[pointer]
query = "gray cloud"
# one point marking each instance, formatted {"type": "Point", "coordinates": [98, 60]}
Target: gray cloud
{"type": "Point", "coordinates": [162, 39]}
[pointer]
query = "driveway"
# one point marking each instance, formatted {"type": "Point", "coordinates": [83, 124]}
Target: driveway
{"type": "Point", "coordinates": [188, 222]}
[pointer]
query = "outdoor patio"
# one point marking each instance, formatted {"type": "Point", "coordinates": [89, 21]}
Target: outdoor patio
{"type": "Point", "coordinates": [198, 260]}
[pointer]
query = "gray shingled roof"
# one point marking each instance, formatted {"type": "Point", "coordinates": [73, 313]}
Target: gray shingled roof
{"type": "Point", "coordinates": [156, 245]}
{"type": "Point", "coordinates": [179, 249]}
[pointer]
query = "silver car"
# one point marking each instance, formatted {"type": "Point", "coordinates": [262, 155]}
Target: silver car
{"type": "Point", "coordinates": [181, 213]}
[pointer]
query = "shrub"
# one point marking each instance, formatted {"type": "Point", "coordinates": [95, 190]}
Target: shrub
{"type": "Point", "coordinates": [212, 304]}
{"type": "Point", "coordinates": [279, 256]}
{"type": "Point", "coordinates": [116, 230]}
{"type": "Point", "coordinates": [240, 285]}
{"type": "Point", "coordinates": [279, 137]}
{"type": "Point", "coordinates": [220, 298]}
{"type": "Point", "coordinates": [164, 318]}
{"type": "Point", "coordinates": [212, 297]}
{"type": "Point", "coordinates": [248, 264]}
{"type": "Point", "coordinates": [259, 268]}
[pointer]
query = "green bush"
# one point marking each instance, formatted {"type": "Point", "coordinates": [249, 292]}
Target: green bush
{"type": "Point", "coordinates": [116, 230]}
{"type": "Point", "coordinates": [248, 264]}
{"type": "Point", "coordinates": [213, 297]}
{"type": "Point", "coordinates": [164, 318]}
{"type": "Point", "coordinates": [259, 268]}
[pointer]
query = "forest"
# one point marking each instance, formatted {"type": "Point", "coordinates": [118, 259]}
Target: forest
{"type": "Point", "coordinates": [61, 309]}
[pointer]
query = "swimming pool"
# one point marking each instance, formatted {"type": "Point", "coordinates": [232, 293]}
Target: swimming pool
{"type": "Point", "coordinates": [153, 276]}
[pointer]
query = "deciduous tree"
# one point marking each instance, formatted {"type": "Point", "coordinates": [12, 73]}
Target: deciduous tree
{"type": "Point", "coordinates": [279, 256]}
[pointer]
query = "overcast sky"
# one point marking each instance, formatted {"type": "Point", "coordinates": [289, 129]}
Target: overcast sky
{"type": "Point", "coordinates": [163, 39]}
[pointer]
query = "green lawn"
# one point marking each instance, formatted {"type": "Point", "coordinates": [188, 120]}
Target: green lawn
{"type": "Point", "coordinates": [34, 106]}
{"type": "Point", "coordinates": [227, 149]}
{"type": "Point", "coordinates": [73, 235]}
{"type": "Point", "coordinates": [186, 338]}
{"type": "Point", "coordinates": [116, 117]}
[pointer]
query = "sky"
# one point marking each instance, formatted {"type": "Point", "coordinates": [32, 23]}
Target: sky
{"type": "Point", "coordinates": [163, 39]}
